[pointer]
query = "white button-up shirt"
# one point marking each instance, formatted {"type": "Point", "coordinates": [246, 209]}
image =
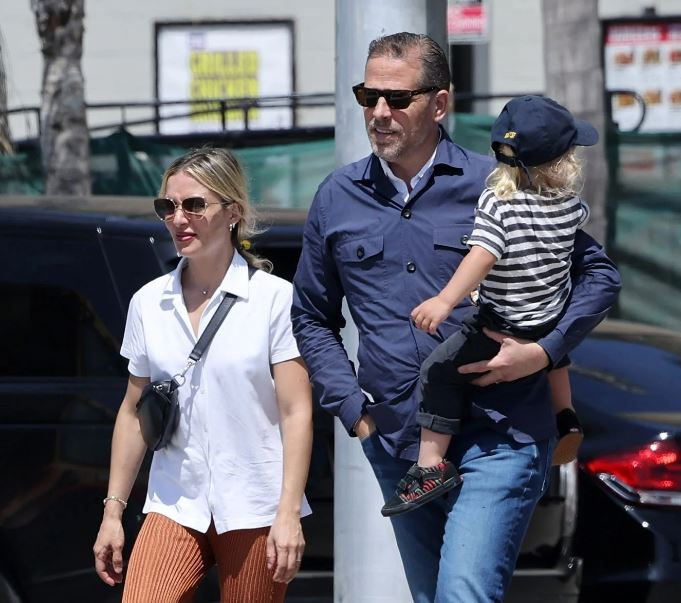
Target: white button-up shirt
{"type": "Point", "coordinates": [225, 461]}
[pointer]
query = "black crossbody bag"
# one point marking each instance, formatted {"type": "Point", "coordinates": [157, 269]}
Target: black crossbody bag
{"type": "Point", "coordinates": [158, 410]}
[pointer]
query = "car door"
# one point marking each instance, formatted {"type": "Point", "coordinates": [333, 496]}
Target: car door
{"type": "Point", "coordinates": [61, 382]}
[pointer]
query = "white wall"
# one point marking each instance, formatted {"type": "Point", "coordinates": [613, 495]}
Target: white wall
{"type": "Point", "coordinates": [118, 59]}
{"type": "Point", "coordinates": [118, 53]}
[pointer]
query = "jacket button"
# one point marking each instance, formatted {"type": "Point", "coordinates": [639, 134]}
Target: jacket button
{"type": "Point", "coordinates": [360, 252]}
{"type": "Point", "coordinates": [406, 213]}
{"type": "Point", "coordinates": [411, 267]}
{"type": "Point", "coordinates": [464, 239]}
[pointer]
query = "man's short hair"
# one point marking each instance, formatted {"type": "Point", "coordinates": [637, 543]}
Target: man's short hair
{"type": "Point", "coordinates": [435, 69]}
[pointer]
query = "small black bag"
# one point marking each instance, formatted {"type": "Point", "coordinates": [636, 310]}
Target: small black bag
{"type": "Point", "coordinates": [158, 411]}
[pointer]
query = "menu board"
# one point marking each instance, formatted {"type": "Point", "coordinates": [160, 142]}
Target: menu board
{"type": "Point", "coordinates": [645, 57]}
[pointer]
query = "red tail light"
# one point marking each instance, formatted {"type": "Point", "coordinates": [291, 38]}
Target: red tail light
{"type": "Point", "coordinates": [651, 473]}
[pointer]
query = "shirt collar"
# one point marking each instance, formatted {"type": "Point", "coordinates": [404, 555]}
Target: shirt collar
{"type": "Point", "coordinates": [398, 183]}
{"type": "Point", "coordinates": [235, 280]}
{"type": "Point", "coordinates": [448, 154]}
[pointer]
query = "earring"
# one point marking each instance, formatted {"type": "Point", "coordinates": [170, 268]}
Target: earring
{"type": "Point", "coordinates": [231, 227]}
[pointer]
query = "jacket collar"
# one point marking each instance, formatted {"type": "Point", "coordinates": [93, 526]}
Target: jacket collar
{"type": "Point", "coordinates": [449, 158]}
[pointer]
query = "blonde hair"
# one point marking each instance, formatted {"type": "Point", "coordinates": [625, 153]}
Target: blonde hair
{"type": "Point", "coordinates": [560, 177]}
{"type": "Point", "coordinates": [219, 171]}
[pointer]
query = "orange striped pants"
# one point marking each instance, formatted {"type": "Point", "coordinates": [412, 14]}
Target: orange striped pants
{"type": "Point", "coordinates": [169, 561]}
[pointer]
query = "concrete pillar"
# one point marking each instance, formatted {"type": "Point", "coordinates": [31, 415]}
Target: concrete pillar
{"type": "Point", "coordinates": [367, 566]}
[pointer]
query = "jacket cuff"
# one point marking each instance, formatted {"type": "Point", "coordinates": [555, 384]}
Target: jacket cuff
{"type": "Point", "coordinates": [554, 346]}
{"type": "Point", "coordinates": [351, 411]}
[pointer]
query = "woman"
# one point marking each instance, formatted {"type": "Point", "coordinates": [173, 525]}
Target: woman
{"type": "Point", "coordinates": [229, 487]}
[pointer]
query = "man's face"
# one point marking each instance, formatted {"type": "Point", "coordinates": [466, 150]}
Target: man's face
{"type": "Point", "coordinates": [396, 133]}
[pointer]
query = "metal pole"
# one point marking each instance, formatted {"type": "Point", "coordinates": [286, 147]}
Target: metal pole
{"type": "Point", "coordinates": [367, 566]}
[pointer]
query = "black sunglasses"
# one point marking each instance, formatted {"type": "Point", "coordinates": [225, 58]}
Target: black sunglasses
{"type": "Point", "coordinates": [396, 99]}
{"type": "Point", "coordinates": [192, 207]}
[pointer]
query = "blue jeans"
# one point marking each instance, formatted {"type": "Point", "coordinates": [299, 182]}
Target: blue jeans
{"type": "Point", "coordinates": [462, 547]}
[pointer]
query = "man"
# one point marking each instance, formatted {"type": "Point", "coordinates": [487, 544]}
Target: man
{"type": "Point", "coordinates": [387, 232]}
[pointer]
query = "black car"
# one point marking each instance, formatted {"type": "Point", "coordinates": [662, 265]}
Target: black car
{"type": "Point", "coordinates": [627, 388]}
{"type": "Point", "coordinates": [69, 268]}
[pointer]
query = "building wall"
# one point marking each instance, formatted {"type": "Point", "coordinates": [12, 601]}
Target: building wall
{"type": "Point", "coordinates": [118, 59]}
{"type": "Point", "coordinates": [118, 48]}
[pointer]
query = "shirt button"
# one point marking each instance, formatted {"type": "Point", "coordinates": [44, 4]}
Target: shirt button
{"type": "Point", "coordinates": [464, 239]}
{"type": "Point", "coordinates": [411, 267]}
{"type": "Point", "coordinates": [406, 213]}
{"type": "Point", "coordinates": [360, 252]}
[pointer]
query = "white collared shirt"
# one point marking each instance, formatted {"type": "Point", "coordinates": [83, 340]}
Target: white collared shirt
{"type": "Point", "coordinates": [399, 184]}
{"type": "Point", "coordinates": [225, 460]}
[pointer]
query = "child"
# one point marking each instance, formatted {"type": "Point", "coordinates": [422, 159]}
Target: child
{"type": "Point", "coordinates": [520, 250]}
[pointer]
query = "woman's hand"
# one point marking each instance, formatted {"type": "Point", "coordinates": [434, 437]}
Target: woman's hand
{"type": "Point", "coordinates": [429, 315]}
{"type": "Point", "coordinates": [285, 546]}
{"type": "Point", "coordinates": [108, 550]}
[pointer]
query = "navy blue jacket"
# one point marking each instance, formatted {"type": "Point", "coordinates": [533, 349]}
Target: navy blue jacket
{"type": "Point", "coordinates": [362, 242]}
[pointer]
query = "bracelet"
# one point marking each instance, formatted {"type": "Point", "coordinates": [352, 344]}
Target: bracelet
{"type": "Point", "coordinates": [117, 499]}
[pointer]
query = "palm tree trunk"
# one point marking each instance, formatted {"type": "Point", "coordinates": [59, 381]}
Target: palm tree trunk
{"type": "Point", "coordinates": [574, 77]}
{"type": "Point", "coordinates": [64, 138]}
{"type": "Point", "coordinates": [5, 136]}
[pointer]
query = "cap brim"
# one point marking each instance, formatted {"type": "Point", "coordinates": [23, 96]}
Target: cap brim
{"type": "Point", "coordinates": [587, 135]}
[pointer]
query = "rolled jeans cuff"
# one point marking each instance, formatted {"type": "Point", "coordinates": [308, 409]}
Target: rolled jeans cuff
{"type": "Point", "coordinates": [438, 424]}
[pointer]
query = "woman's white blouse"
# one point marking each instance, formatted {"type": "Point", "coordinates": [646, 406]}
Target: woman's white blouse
{"type": "Point", "coordinates": [225, 460]}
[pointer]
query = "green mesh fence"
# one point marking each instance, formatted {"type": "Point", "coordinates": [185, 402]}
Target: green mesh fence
{"type": "Point", "coordinates": [644, 197]}
{"type": "Point", "coordinates": [644, 222]}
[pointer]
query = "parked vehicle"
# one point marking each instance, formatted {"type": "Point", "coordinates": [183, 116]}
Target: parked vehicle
{"type": "Point", "coordinates": [68, 270]}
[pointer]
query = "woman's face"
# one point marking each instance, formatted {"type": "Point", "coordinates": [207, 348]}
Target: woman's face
{"type": "Point", "coordinates": [204, 236]}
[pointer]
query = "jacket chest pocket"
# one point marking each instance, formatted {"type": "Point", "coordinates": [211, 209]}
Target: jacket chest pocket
{"type": "Point", "coordinates": [363, 269]}
{"type": "Point", "coordinates": [450, 246]}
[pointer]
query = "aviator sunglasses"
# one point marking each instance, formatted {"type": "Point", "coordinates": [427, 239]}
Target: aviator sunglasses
{"type": "Point", "coordinates": [396, 99]}
{"type": "Point", "coordinates": [192, 207]}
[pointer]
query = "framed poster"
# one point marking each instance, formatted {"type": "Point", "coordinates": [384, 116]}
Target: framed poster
{"type": "Point", "coordinates": [644, 55]}
{"type": "Point", "coordinates": [223, 60]}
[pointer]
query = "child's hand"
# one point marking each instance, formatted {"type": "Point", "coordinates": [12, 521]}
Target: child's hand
{"type": "Point", "coordinates": [428, 315]}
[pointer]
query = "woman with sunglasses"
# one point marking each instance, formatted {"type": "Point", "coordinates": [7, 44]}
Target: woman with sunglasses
{"type": "Point", "coordinates": [228, 489]}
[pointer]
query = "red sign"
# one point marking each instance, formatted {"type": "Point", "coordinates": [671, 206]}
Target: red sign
{"type": "Point", "coordinates": [466, 21]}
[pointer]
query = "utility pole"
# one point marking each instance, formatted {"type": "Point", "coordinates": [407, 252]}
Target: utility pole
{"type": "Point", "coordinates": [367, 566]}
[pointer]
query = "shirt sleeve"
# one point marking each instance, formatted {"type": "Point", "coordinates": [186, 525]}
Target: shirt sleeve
{"type": "Point", "coordinates": [134, 346]}
{"type": "Point", "coordinates": [317, 321]}
{"type": "Point", "coordinates": [282, 343]}
{"type": "Point", "coordinates": [488, 229]}
{"type": "Point", "coordinates": [595, 286]}
{"type": "Point", "coordinates": [586, 213]}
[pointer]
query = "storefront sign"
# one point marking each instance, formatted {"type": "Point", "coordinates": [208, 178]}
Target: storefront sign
{"type": "Point", "coordinates": [646, 58]}
{"type": "Point", "coordinates": [196, 62]}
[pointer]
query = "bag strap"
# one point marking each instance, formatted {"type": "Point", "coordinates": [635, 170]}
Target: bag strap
{"type": "Point", "coordinates": [211, 328]}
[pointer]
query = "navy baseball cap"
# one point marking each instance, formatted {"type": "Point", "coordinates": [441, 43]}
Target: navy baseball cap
{"type": "Point", "coordinates": [538, 130]}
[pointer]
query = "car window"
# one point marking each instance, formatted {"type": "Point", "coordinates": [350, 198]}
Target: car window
{"type": "Point", "coordinates": [52, 331]}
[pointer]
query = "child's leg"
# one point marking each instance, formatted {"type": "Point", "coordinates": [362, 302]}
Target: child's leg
{"type": "Point", "coordinates": [561, 394]}
{"type": "Point", "coordinates": [433, 447]}
{"type": "Point", "coordinates": [443, 407]}
{"type": "Point", "coordinates": [570, 433]}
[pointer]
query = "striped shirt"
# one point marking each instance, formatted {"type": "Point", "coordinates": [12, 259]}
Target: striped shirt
{"type": "Point", "coordinates": [532, 238]}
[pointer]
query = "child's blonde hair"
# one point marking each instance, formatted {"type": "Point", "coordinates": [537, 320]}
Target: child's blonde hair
{"type": "Point", "coordinates": [560, 177]}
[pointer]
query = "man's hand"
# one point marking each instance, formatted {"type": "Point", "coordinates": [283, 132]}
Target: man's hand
{"type": "Point", "coordinates": [364, 427]}
{"type": "Point", "coordinates": [517, 358]}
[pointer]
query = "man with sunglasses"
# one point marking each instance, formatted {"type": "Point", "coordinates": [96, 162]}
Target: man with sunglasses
{"type": "Point", "coordinates": [386, 233]}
